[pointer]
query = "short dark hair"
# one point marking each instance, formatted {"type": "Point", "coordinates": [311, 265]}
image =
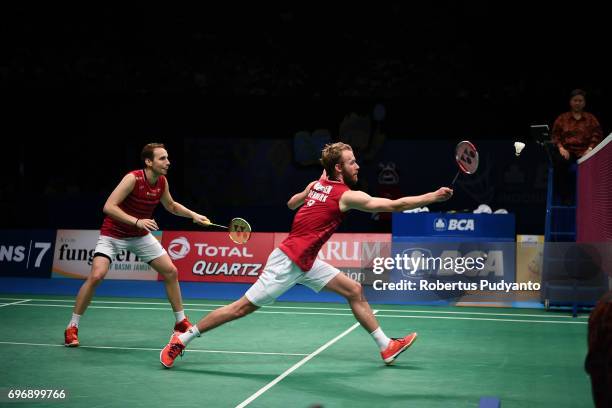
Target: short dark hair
{"type": "Point", "coordinates": [148, 150]}
{"type": "Point", "coordinates": [577, 92]}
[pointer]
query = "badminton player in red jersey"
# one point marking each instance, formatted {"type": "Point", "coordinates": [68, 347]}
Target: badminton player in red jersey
{"type": "Point", "coordinates": [324, 204]}
{"type": "Point", "coordinates": [127, 227]}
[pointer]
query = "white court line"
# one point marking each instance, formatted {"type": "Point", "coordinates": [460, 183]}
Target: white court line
{"type": "Point", "coordinates": [482, 313]}
{"type": "Point", "coordinates": [16, 303]}
{"type": "Point", "coordinates": [325, 314]}
{"type": "Point", "coordinates": [480, 318]}
{"type": "Point", "coordinates": [187, 309]}
{"type": "Point", "coordinates": [157, 349]}
{"type": "Point", "coordinates": [297, 365]}
{"type": "Point", "coordinates": [340, 309]}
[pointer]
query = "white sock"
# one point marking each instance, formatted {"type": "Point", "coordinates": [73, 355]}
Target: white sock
{"type": "Point", "coordinates": [380, 338]}
{"type": "Point", "coordinates": [190, 334]}
{"type": "Point", "coordinates": [180, 315]}
{"type": "Point", "coordinates": [74, 321]}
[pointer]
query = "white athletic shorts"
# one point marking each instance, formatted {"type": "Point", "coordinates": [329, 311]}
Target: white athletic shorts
{"type": "Point", "coordinates": [146, 248]}
{"type": "Point", "coordinates": [280, 274]}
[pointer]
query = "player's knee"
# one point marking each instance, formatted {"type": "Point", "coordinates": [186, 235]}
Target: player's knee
{"type": "Point", "coordinates": [243, 310]}
{"type": "Point", "coordinates": [170, 273]}
{"type": "Point", "coordinates": [355, 291]}
{"type": "Point", "coordinates": [97, 276]}
{"type": "Point", "coordinates": [240, 312]}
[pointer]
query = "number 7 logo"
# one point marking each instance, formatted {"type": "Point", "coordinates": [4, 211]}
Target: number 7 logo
{"type": "Point", "coordinates": [44, 247]}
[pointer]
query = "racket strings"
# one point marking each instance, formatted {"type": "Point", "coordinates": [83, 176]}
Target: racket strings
{"type": "Point", "coordinates": [239, 230]}
{"type": "Point", "coordinates": [467, 157]}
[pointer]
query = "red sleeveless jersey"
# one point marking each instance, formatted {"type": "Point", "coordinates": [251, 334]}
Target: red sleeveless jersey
{"type": "Point", "coordinates": [314, 223]}
{"type": "Point", "coordinates": [140, 203]}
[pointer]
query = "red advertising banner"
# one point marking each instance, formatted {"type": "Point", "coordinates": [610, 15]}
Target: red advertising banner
{"type": "Point", "coordinates": [345, 250]}
{"type": "Point", "coordinates": [213, 257]}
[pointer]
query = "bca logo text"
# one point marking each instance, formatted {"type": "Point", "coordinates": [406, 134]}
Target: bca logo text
{"type": "Point", "coordinates": [454, 225]}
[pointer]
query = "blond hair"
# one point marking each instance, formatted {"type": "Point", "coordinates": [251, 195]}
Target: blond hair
{"type": "Point", "coordinates": [332, 155]}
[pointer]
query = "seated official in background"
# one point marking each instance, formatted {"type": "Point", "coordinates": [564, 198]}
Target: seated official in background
{"type": "Point", "coordinates": [574, 134]}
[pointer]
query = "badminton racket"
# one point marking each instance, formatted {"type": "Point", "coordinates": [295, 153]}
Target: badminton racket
{"type": "Point", "coordinates": [466, 157]}
{"type": "Point", "coordinates": [239, 230]}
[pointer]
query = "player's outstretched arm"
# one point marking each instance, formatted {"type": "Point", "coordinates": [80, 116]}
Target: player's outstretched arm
{"type": "Point", "coordinates": [358, 200]}
{"type": "Point", "coordinates": [179, 209]}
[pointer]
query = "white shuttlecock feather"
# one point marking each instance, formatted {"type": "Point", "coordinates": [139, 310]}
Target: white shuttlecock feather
{"type": "Point", "coordinates": [518, 147]}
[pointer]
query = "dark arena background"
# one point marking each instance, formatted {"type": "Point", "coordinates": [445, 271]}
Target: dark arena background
{"type": "Point", "coordinates": [244, 97]}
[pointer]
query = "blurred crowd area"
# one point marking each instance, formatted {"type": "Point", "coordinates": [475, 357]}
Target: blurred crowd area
{"type": "Point", "coordinates": [250, 50]}
{"type": "Point", "coordinates": [95, 85]}
{"type": "Point", "coordinates": [447, 56]}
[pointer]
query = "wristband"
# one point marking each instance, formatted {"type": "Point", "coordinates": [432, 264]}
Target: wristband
{"type": "Point", "coordinates": [136, 223]}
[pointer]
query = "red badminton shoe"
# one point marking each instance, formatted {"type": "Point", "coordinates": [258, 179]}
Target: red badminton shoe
{"type": "Point", "coordinates": [182, 326]}
{"type": "Point", "coordinates": [171, 351]}
{"type": "Point", "coordinates": [397, 347]}
{"type": "Point", "coordinates": [71, 337]}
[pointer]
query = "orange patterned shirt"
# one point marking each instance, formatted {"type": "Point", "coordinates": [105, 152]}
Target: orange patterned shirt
{"type": "Point", "coordinates": [576, 136]}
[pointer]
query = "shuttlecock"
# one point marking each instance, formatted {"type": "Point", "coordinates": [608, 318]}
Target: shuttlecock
{"type": "Point", "coordinates": [518, 148]}
{"type": "Point", "coordinates": [483, 209]}
{"type": "Point", "coordinates": [412, 210]}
